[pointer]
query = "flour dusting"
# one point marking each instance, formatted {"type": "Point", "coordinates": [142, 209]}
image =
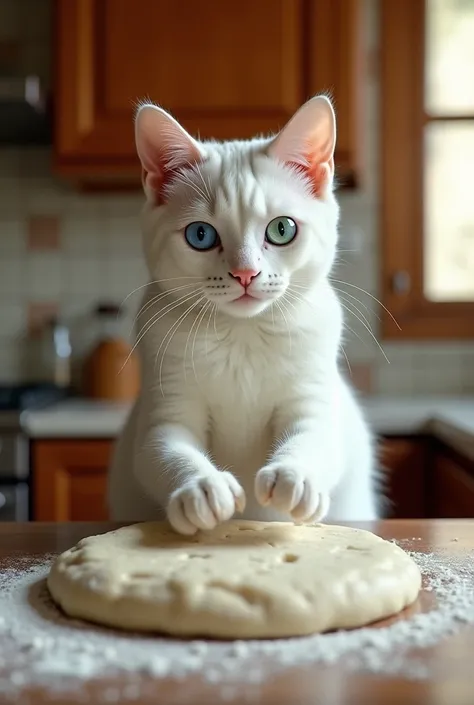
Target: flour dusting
{"type": "Point", "coordinates": [42, 647]}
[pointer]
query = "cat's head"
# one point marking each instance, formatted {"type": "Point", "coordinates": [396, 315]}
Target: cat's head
{"type": "Point", "coordinates": [239, 223]}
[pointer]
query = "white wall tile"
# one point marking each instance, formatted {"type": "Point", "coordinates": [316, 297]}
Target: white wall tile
{"type": "Point", "coordinates": [44, 276]}
{"type": "Point", "coordinates": [122, 205]}
{"type": "Point", "coordinates": [82, 276]}
{"type": "Point", "coordinates": [41, 197]}
{"type": "Point", "coordinates": [12, 320]}
{"type": "Point", "coordinates": [122, 277]}
{"type": "Point", "coordinates": [12, 368]}
{"type": "Point", "coordinates": [12, 238]}
{"type": "Point", "coordinates": [122, 237]}
{"type": "Point", "coordinates": [82, 237]}
{"type": "Point", "coordinates": [12, 280]}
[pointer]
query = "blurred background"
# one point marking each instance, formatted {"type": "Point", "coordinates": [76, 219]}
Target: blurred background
{"type": "Point", "coordinates": [71, 72]}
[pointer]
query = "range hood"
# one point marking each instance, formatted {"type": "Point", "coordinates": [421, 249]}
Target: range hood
{"type": "Point", "coordinates": [25, 112]}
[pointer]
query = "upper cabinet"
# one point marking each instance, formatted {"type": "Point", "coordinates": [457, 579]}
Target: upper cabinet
{"type": "Point", "coordinates": [223, 69]}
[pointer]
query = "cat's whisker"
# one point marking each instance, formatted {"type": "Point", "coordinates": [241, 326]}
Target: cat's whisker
{"type": "Point", "coordinates": [156, 281]}
{"type": "Point", "coordinates": [162, 312]}
{"type": "Point", "coordinates": [201, 318]}
{"type": "Point", "coordinates": [169, 337]}
{"type": "Point", "coordinates": [280, 308]}
{"type": "Point", "coordinates": [215, 324]}
{"type": "Point", "coordinates": [285, 303]}
{"type": "Point", "coordinates": [298, 285]}
{"type": "Point", "coordinates": [149, 325]}
{"type": "Point", "coordinates": [187, 343]}
{"type": "Point", "coordinates": [367, 328]}
{"type": "Point", "coordinates": [347, 360]}
{"type": "Point", "coordinates": [364, 317]}
{"type": "Point", "coordinates": [346, 325]}
{"type": "Point", "coordinates": [153, 301]}
{"type": "Point", "coordinates": [289, 298]}
{"type": "Point", "coordinates": [157, 316]}
{"type": "Point", "coordinates": [339, 281]}
{"type": "Point", "coordinates": [363, 321]}
{"type": "Point", "coordinates": [297, 296]}
{"type": "Point", "coordinates": [206, 337]}
{"type": "Point", "coordinates": [351, 296]}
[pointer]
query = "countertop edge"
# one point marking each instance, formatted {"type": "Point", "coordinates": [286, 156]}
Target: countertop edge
{"type": "Point", "coordinates": [449, 419]}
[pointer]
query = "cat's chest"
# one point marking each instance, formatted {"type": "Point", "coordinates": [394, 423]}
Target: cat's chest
{"type": "Point", "coordinates": [244, 370]}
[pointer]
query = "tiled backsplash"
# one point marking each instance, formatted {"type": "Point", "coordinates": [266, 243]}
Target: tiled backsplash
{"type": "Point", "coordinates": [60, 250]}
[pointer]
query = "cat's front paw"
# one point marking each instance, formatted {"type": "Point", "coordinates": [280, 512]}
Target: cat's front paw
{"type": "Point", "coordinates": [288, 490]}
{"type": "Point", "coordinates": [204, 502]}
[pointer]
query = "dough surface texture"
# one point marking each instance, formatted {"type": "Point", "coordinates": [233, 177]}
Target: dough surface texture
{"type": "Point", "coordinates": [242, 580]}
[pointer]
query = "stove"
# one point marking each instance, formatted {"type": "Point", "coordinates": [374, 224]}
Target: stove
{"type": "Point", "coordinates": [16, 400]}
{"type": "Point", "coordinates": [23, 397]}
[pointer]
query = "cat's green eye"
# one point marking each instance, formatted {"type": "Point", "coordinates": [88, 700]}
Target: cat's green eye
{"type": "Point", "coordinates": [281, 231]}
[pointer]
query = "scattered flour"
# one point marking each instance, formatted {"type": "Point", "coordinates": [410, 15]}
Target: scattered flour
{"type": "Point", "coordinates": [42, 647]}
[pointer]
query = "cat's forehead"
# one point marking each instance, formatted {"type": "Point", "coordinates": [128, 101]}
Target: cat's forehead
{"type": "Point", "coordinates": [243, 179]}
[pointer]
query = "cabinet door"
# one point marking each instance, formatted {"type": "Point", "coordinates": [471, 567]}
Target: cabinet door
{"type": "Point", "coordinates": [225, 70]}
{"type": "Point", "coordinates": [453, 487]}
{"type": "Point", "coordinates": [70, 480]}
{"type": "Point", "coordinates": [403, 461]}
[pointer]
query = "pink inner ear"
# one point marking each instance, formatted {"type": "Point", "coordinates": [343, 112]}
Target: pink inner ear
{"type": "Point", "coordinates": [307, 143]}
{"type": "Point", "coordinates": [155, 182]}
{"type": "Point", "coordinates": [164, 148]}
{"type": "Point", "coordinates": [318, 173]}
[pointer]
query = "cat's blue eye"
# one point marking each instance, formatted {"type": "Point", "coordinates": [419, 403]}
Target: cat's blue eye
{"type": "Point", "coordinates": [201, 236]}
{"type": "Point", "coordinates": [281, 231]}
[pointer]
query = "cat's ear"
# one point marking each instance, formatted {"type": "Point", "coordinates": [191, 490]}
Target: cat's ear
{"type": "Point", "coordinates": [164, 147]}
{"type": "Point", "coordinates": [307, 142]}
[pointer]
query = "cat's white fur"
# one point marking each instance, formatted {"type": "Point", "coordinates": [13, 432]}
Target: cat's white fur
{"type": "Point", "coordinates": [242, 406]}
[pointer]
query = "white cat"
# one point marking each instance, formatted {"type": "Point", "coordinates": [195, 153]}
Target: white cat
{"type": "Point", "coordinates": [242, 407]}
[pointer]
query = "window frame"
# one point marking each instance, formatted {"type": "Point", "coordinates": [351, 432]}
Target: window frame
{"type": "Point", "coordinates": [403, 117]}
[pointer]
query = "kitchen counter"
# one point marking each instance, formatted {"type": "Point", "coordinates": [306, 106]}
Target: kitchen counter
{"type": "Point", "coordinates": [451, 419]}
{"type": "Point", "coordinates": [444, 667]}
{"type": "Point", "coordinates": [76, 418]}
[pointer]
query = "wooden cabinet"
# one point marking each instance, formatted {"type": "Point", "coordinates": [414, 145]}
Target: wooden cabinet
{"type": "Point", "coordinates": [420, 478]}
{"type": "Point", "coordinates": [224, 69]}
{"type": "Point", "coordinates": [403, 479]}
{"type": "Point", "coordinates": [453, 486]}
{"type": "Point", "coordinates": [70, 480]}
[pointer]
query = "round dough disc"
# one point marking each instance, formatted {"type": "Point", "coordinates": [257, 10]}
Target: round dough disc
{"type": "Point", "coordinates": [244, 579]}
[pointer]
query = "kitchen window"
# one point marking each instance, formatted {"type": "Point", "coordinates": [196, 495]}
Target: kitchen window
{"type": "Point", "coordinates": [427, 105]}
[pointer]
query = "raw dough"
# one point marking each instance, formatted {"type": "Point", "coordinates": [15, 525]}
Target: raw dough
{"type": "Point", "coordinates": [244, 579]}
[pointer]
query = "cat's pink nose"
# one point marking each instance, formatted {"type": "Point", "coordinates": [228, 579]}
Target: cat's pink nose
{"type": "Point", "coordinates": [245, 276]}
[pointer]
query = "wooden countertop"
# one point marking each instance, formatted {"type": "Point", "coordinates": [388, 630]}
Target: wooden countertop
{"type": "Point", "coordinates": [451, 661]}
